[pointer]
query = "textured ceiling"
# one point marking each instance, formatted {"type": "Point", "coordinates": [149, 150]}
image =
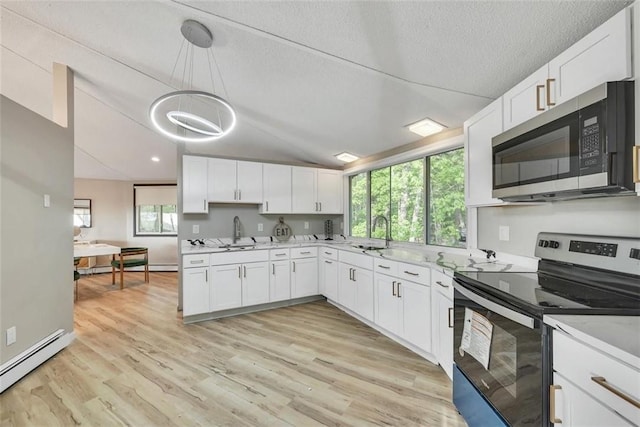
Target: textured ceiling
{"type": "Point", "coordinates": [309, 79]}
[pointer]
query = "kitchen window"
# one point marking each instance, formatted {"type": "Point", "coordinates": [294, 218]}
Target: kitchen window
{"type": "Point", "coordinates": [156, 211]}
{"type": "Point", "coordinates": [423, 200]}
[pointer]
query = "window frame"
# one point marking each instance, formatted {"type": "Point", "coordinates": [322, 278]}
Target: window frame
{"type": "Point", "coordinates": [135, 213]}
{"type": "Point", "coordinates": [455, 143]}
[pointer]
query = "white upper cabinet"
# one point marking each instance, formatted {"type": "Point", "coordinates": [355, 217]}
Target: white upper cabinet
{"type": "Point", "coordinates": [276, 181]}
{"type": "Point", "coordinates": [194, 184]}
{"type": "Point", "coordinates": [526, 99]}
{"type": "Point", "coordinates": [478, 131]}
{"type": "Point", "coordinates": [316, 190]}
{"type": "Point", "coordinates": [601, 56]}
{"type": "Point", "coordinates": [329, 190]}
{"type": "Point", "coordinates": [232, 181]}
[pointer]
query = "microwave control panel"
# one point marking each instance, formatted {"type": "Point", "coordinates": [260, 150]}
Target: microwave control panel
{"type": "Point", "coordinates": [591, 146]}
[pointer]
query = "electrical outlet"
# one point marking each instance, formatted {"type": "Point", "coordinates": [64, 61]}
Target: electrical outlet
{"type": "Point", "coordinates": [47, 201]}
{"type": "Point", "coordinates": [11, 335]}
{"type": "Point", "coordinates": [503, 233]}
{"type": "Point", "coordinates": [260, 227]}
{"type": "Point", "coordinates": [306, 225]}
{"type": "Point", "coordinates": [196, 229]}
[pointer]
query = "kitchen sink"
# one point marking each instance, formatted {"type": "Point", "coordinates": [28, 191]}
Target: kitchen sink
{"type": "Point", "coordinates": [369, 248]}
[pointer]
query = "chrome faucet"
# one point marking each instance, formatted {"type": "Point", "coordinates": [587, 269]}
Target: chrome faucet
{"type": "Point", "coordinates": [236, 229]}
{"type": "Point", "coordinates": [387, 236]}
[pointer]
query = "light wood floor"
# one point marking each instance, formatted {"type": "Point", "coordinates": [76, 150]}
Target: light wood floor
{"type": "Point", "coordinates": [135, 363]}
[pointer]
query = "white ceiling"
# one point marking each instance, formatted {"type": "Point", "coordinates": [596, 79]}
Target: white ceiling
{"type": "Point", "coordinates": [308, 79]}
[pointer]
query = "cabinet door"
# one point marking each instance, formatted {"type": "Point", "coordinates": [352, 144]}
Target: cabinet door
{"type": "Point", "coordinates": [388, 310]}
{"type": "Point", "coordinates": [304, 277]}
{"type": "Point", "coordinates": [194, 184]}
{"type": "Point", "coordinates": [303, 194]}
{"type": "Point", "coordinates": [226, 287]}
{"type": "Point", "coordinates": [416, 314]}
{"type": "Point", "coordinates": [574, 407]}
{"type": "Point", "coordinates": [277, 189]}
{"type": "Point", "coordinates": [347, 287]}
{"type": "Point", "coordinates": [329, 186]}
{"type": "Point", "coordinates": [602, 55]}
{"type": "Point", "coordinates": [527, 99]}
{"type": "Point", "coordinates": [329, 278]}
{"type": "Point", "coordinates": [255, 283]}
{"type": "Point", "coordinates": [364, 293]}
{"type": "Point", "coordinates": [222, 180]}
{"type": "Point", "coordinates": [249, 182]}
{"type": "Point", "coordinates": [443, 341]}
{"type": "Point", "coordinates": [478, 131]}
{"type": "Point", "coordinates": [195, 291]}
{"type": "Point", "coordinates": [280, 281]}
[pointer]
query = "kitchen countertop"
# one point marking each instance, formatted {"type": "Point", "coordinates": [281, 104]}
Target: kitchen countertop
{"type": "Point", "coordinates": [446, 261]}
{"type": "Point", "coordinates": [618, 336]}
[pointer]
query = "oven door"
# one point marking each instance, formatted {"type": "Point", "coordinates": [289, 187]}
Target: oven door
{"type": "Point", "coordinates": [542, 160]}
{"type": "Point", "coordinates": [501, 351]}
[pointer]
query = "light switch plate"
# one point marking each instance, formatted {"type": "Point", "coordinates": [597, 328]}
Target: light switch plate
{"type": "Point", "coordinates": [260, 227]}
{"type": "Point", "coordinates": [306, 225]}
{"type": "Point", "coordinates": [47, 201]}
{"type": "Point", "coordinates": [503, 233]}
{"type": "Point", "coordinates": [196, 229]}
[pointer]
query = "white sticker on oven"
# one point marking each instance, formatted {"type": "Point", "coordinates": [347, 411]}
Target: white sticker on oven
{"type": "Point", "coordinates": [476, 337]}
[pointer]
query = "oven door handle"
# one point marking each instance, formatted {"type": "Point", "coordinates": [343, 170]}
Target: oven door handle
{"type": "Point", "coordinates": [520, 318]}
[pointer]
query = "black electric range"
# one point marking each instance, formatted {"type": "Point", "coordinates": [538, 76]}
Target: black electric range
{"type": "Point", "coordinates": [503, 349]}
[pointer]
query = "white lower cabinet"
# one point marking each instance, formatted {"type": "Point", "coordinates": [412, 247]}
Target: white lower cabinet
{"type": "Point", "coordinates": [573, 407]}
{"type": "Point", "coordinates": [356, 290]}
{"type": "Point", "coordinates": [346, 287]}
{"type": "Point", "coordinates": [329, 278]}
{"type": "Point", "coordinates": [226, 287]}
{"type": "Point", "coordinates": [416, 314]}
{"type": "Point", "coordinates": [443, 331]}
{"type": "Point", "coordinates": [280, 281]}
{"type": "Point", "coordinates": [388, 305]}
{"type": "Point", "coordinates": [255, 283]}
{"type": "Point", "coordinates": [304, 277]}
{"type": "Point", "coordinates": [195, 291]}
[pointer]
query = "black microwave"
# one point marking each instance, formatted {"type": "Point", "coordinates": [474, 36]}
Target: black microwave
{"type": "Point", "coordinates": [580, 148]}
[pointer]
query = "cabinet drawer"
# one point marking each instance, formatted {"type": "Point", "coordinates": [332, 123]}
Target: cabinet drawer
{"type": "Point", "coordinates": [385, 266]}
{"type": "Point", "coordinates": [195, 260]}
{"type": "Point", "coordinates": [585, 366]}
{"type": "Point", "coordinates": [442, 283]}
{"type": "Point", "coordinates": [359, 260]}
{"type": "Point", "coordinates": [329, 253]}
{"type": "Point", "coordinates": [278, 254]}
{"type": "Point", "coordinates": [304, 252]}
{"type": "Point", "coordinates": [414, 273]}
{"type": "Point", "coordinates": [237, 257]}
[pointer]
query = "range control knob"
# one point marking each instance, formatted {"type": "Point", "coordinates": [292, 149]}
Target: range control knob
{"type": "Point", "coordinates": [553, 244]}
{"type": "Point", "coordinates": [634, 253]}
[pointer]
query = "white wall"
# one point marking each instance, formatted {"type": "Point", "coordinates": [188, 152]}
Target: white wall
{"type": "Point", "coordinates": [112, 220]}
{"type": "Point", "coordinates": [614, 216]}
{"type": "Point", "coordinates": [36, 263]}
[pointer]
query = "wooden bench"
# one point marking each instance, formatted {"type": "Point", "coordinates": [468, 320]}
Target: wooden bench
{"type": "Point", "coordinates": [123, 261]}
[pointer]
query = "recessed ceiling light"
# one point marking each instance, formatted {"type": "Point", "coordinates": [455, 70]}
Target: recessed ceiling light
{"type": "Point", "coordinates": [155, 159]}
{"type": "Point", "coordinates": [346, 157]}
{"type": "Point", "coordinates": [426, 127]}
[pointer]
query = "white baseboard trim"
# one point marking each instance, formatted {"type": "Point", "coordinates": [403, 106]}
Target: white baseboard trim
{"type": "Point", "coordinates": [13, 370]}
{"type": "Point", "coordinates": [107, 269]}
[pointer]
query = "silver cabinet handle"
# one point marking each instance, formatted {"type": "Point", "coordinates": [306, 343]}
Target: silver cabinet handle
{"type": "Point", "coordinates": [354, 275]}
{"type": "Point", "coordinates": [206, 276]}
{"type": "Point", "coordinates": [239, 273]}
{"type": "Point", "coordinates": [239, 194]}
{"type": "Point", "coordinates": [244, 268]}
{"type": "Point", "coordinates": [199, 261]}
{"type": "Point", "coordinates": [411, 274]}
{"type": "Point", "coordinates": [384, 266]}
{"type": "Point", "coordinates": [441, 284]}
{"type": "Point", "coordinates": [305, 252]}
{"type": "Point", "coordinates": [328, 262]}
{"type": "Point", "coordinates": [204, 204]}
{"type": "Point", "coordinates": [399, 296]}
{"type": "Point", "coordinates": [294, 266]}
{"type": "Point", "coordinates": [328, 253]}
{"type": "Point", "coordinates": [351, 274]}
{"type": "Point", "coordinates": [267, 206]}
{"type": "Point", "coordinates": [235, 194]}
{"type": "Point", "coordinates": [273, 269]}
{"type": "Point", "coordinates": [393, 288]}
{"type": "Point", "coordinates": [602, 381]}
{"type": "Point", "coordinates": [450, 315]}
{"type": "Point", "coordinates": [320, 203]}
{"type": "Point", "coordinates": [282, 254]}
{"type": "Point", "coordinates": [316, 206]}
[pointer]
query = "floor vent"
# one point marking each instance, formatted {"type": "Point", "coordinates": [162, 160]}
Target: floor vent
{"type": "Point", "coordinates": [28, 360]}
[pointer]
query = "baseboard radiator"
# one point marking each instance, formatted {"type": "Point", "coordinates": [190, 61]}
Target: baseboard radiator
{"type": "Point", "coordinates": [34, 356]}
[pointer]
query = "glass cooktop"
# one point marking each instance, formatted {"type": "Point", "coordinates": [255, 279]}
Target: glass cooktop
{"type": "Point", "coordinates": [542, 293]}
